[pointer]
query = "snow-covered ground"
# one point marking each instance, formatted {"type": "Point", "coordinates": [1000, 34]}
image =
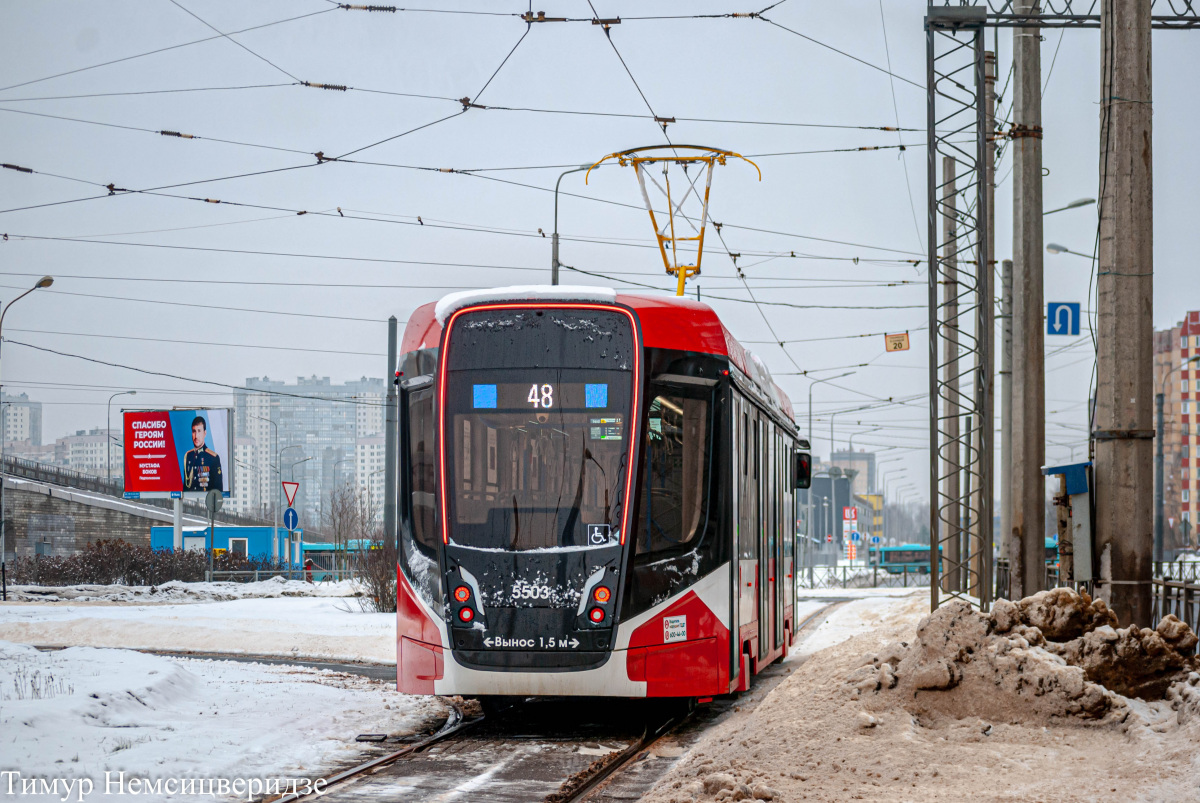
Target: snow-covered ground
{"type": "Point", "coordinates": [857, 617]}
{"type": "Point", "coordinates": [75, 714]}
{"type": "Point", "coordinates": [330, 628]}
{"type": "Point", "coordinates": [856, 593]}
{"type": "Point", "coordinates": [176, 591]}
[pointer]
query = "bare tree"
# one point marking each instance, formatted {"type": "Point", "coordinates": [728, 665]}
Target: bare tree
{"type": "Point", "coordinates": [344, 518]}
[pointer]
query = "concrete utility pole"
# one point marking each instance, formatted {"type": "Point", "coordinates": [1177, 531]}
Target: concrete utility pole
{"type": "Point", "coordinates": [390, 439]}
{"type": "Point", "coordinates": [1006, 404]}
{"type": "Point", "coordinates": [952, 459]}
{"type": "Point", "coordinates": [987, 276]}
{"type": "Point", "coordinates": [1125, 327]}
{"type": "Point", "coordinates": [1027, 545]}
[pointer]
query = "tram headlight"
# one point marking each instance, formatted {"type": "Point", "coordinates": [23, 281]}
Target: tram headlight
{"type": "Point", "coordinates": [601, 594]}
{"type": "Point", "coordinates": [462, 593]}
{"type": "Point", "coordinates": [596, 615]}
{"type": "Point", "coordinates": [466, 614]}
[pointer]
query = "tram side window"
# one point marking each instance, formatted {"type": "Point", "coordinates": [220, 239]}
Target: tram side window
{"type": "Point", "coordinates": [674, 492]}
{"type": "Point", "coordinates": [748, 503]}
{"type": "Point", "coordinates": [422, 465]}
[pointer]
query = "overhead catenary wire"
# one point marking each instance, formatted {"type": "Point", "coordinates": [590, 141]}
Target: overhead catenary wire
{"type": "Point", "coordinates": [90, 335]}
{"type": "Point", "coordinates": [416, 221]}
{"type": "Point", "coordinates": [164, 49]}
{"type": "Point", "coordinates": [487, 107]}
{"type": "Point", "coordinates": [112, 191]}
{"type": "Point", "coordinates": [843, 53]}
{"type": "Point", "coordinates": [896, 110]}
{"type": "Point", "coordinates": [218, 307]}
{"type": "Point", "coordinates": [340, 400]}
{"type": "Point", "coordinates": [835, 337]}
{"type": "Point", "coordinates": [159, 132]}
{"type": "Point", "coordinates": [383, 285]}
{"type": "Point", "coordinates": [258, 56]}
{"type": "Point", "coordinates": [466, 105]}
{"type": "Point", "coordinates": [147, 92]}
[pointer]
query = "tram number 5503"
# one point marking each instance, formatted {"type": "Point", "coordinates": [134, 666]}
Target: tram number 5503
{"type": "Point", "coordinates": [541, 397]}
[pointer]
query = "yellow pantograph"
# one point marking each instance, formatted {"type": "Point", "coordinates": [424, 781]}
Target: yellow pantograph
{"type": "Point", "coordinates": [673, 245]}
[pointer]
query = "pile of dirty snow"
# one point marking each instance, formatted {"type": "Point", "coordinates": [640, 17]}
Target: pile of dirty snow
{"type": "Point", "coordinates": [1053, 655]}
{"type": "Point", "coordinates": [177, 591]}
{"type": "Point", "coordinates": [77, 713]}
{"type": "Point", "coordinates": [995, 707]}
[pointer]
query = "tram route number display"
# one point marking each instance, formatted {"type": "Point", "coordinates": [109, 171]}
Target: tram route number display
{"type": "Point", "coordinates": [540, 396]}
{"type": "Point", "coordinates": [539, 643]}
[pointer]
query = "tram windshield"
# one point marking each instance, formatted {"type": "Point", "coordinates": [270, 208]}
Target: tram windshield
{"type": "Point", "coordinates": [538, 428]}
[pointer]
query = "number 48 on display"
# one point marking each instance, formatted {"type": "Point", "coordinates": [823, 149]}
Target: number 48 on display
{"type": "Point", "coordinates": [542, 398]}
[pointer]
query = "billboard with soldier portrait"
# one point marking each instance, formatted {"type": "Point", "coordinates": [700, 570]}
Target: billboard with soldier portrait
{"type": "Point", "coordinates": [178, 453]}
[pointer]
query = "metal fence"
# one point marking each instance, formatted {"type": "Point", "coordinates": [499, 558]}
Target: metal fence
{"type": "Point", "coordinates": [1002, 578]}
{"type": "Point", "coordinates": [817, 577]}
{"type": "Point", "coordinates": [1176, 591]}
{"type": "Point", "coordinates": [317, 575]}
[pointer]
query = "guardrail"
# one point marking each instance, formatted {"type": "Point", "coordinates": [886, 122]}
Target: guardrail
{"type": "Point", "coordinates": [65, 477]}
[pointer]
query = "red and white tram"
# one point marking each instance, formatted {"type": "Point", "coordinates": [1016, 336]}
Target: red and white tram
{"type": "Point", "coordinates": [596, 498]}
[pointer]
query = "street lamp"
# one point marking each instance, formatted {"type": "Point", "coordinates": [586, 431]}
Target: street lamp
{"type": "Point", "coordinates": [45, 281]}
{"type": "Point", "coordinates": [1158, 457]}
{"type": "Point", "coordinates": [337, 463]}
{"type": "Point", "coordinates": [864, 432]}
{"type": "Point", "coordinates": [292, 467]}
{"type": "Point", "coordinates": [370, 509]}
{"type": "Point", "coordinates": [554, 263]}
{"type": "Point", "coordinates": [108, 426]}
{"type": "Point", "coordinates": [278, 489]}
{"type": "Point", "coordinates": [808, 520]}
{"type": "Point", "coordinates": [1055, 248]}
{"type": "Point", "coordinates": [1073, 205]}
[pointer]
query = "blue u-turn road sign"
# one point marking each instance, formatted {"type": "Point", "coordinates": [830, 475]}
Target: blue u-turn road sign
{"type": "Point", "coordinates": [1062, 318]}
{"type": "Point", "coordinates": [290, 519]}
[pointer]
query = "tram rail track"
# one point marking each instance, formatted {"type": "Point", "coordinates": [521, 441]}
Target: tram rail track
{"type": "Point", "coordinates": [455, 723]}
{"type": "Point", "coordinates": [517, 725]}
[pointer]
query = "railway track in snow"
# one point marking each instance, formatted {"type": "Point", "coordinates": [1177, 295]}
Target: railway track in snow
{"type": "Point", "coordinates": [558, 750]}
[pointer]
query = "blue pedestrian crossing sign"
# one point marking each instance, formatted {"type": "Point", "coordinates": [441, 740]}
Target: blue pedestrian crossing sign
{"type": "Point", "coordinates": [1062, 318]}
{"type": "Point", "coordinates": [290, 519]}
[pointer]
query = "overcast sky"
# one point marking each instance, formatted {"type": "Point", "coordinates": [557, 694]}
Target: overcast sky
{"type": "Point", "coordinates": [825, 207]}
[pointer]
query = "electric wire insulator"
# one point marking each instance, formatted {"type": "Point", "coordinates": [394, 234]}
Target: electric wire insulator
{"type": "Point", "coordinates": [177, 134]}
{"type": "Point", "coordinates": [336, 87]}
{"type": "Point", "coordinates": [18, 168]}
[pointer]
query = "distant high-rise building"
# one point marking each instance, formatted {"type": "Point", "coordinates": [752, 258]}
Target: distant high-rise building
{"type": "Point", "coordinates": [22, 419]}
{"type": "Point", "coordinates": [245, 499]}
{"type": "Point", "coordinates": [368, 472]}
{"type": "Point", "coordinates": [863, 464]}
{"type": "Point", "coordinates": [88, 451]}
{"type": "Point", "coordinates": [1180, 385]}
{"type": "Point", "coordinates": [312, 418]}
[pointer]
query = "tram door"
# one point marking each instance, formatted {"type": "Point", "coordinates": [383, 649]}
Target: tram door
{"type": "Point", "coordinates": [766, 538]}
{"type": "Point", "coordinates": [746, 545]}
{"type": "Point", "coordinates": [778, 498]}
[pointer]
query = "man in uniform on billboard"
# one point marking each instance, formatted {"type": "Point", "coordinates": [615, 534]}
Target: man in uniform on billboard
{"type": "Point", "coordinates": [201, 466]}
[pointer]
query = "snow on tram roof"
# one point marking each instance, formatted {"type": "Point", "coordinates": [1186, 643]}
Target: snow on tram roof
{"type": "Point", "coordinates": [666, 322]}
{"type": "Point", "coordinates": [542, 292]}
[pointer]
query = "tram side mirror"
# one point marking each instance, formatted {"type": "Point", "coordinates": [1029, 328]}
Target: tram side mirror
{"type": "Point", "coordinates": [801, 470]}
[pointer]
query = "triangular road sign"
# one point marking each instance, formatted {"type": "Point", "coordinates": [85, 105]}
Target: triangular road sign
{"type": "Point", "coordinates": [289, 490]}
